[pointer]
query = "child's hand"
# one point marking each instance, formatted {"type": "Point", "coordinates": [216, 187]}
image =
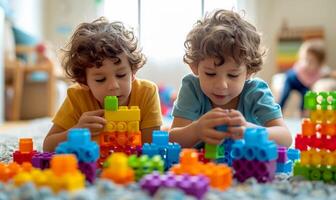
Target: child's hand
{"type": "Point", "coordinates": [93, 120]}
{"type": "Point", "coordinates": [205, 126]}
{"type": "Point", "coordinates": [236, 124]}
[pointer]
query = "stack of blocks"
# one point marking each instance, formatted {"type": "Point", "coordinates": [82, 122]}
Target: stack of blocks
{"type": "Point", "coordinates": [25, 152]}
{"type": "Point", "coordinates": [168, 151]}
{"type": "Point", "coordinates": [87, 152]}
{"type": "Point", "coordinates": [255, 156]}
{"type": "Point", "coordinates": [195, 186]}
{"type": "Point", "coordinates": [62, 175]}
{"type": "Point", "coordinates": [121, 133]}
{"type": "Point", "coordinates": [220, 175]}
{"type": "Point", "coordinates": [286, 158]}
{"type": "Point", "coordinates": [220, 152]}
{"type": "Point", "coordinates": [317, 142]}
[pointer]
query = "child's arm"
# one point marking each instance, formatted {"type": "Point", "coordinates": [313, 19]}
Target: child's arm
{"type": "Point", "coordinates": [56, 135]}
{"type": "Point", "coordinates": [146, 134]}
{"type": "Point", "coordinates": [187, 133]}
{"type": "Point", "coordinates": [279, 132]}
{"type": "Point", "coordinates": [276, 128]}
{"type": "Point", "coordinates": [92, 120]}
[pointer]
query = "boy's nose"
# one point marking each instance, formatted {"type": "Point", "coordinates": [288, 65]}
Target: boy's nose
{"type": "Point", "coordinates": [221, 84]}
{"type": "Point", "coordinates": [113, 85]}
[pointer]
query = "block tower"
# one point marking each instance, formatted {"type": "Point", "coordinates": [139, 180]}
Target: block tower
{"type": "Point", "coordinates": [254, 156]}
{"type": "Point", "coordinates": [317, 141]}
{"type": "Point", "coordinates": [121, 133]}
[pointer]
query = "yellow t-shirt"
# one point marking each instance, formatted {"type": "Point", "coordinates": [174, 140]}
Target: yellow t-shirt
{"type": "Point", "coordinates": [79, 100]}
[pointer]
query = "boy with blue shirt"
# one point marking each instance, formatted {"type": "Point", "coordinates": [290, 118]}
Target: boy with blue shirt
{"type": "Point", "coordinates": [223, 51]}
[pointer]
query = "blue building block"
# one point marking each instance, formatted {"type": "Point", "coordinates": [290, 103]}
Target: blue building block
{"type": "Point", "coordinates": [267, 152]}
{"type": "Point", "coordinates": [237, 152]}
{"type": "Point", "coordinates": [168, 151]}
{"type": "Point", "coordinates": [227, 146]}
{"type": "Point", "coordinates": [79, 143]}
{"type": "Point", "coordinates": [160, 138]}
{"type": "Point", "coordinates": [255, 136]}
{"type": "Point", "coordinates": [284, 167]}
{"type": "Point", "coordinates": [293, 154]}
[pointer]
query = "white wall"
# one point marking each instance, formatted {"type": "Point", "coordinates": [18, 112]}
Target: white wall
{"type": "Point", "coordinates": [270, 15]}
{"type": "Point", "coordinates": [2, 20]}
{"type": "Point", "coordinates": [267, 15]}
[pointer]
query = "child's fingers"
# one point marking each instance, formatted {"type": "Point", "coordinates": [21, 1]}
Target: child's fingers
{"type": "Point", "coordinates": [212, 141]}
{"type": "Point", "coordinates": [94, 126]}
{"type": "Point", "coordinates": [99, 112]}
{"type": "Point", "coordinates": [217, 121]}
{"type": "Point", "coordinates": [216, 135]}
{"type": "Point", "coordinates": [236, 121]}
{"type": "Point", "coordinates": [94, 119]}
{"type": "Point", "coordinates": [237, 132]}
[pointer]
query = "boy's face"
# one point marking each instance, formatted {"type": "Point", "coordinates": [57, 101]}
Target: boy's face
{"type": "Point", "coordinates": [114, 79]}
{"type": "Point", "coordinates": [310, 61]}
{"type": "Point", "coordinates": [222, 84]}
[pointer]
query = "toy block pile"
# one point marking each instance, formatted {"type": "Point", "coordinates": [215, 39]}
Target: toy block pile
{"type": "Point", "coordinates": [286, 158]}
{"type": "Point", "coordinates": [87, 152]}
{"type": "Point", "coordinates": [220, 153]}
{"type": "Point", "coordinates": [317, 141]}
{"type": "Point", "coordinates": [255, 156]}
{"type": "Point", "coordinates": [160, 145]}
{"type": "Point", "coordinates": [220, 176]}
{"type": "Point", "coordinates": [121, 133]}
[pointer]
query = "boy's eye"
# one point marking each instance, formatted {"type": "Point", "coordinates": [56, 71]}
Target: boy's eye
{"type": "Point", "coordinates": [210, 73]}
{"type": "Point", "coordinates": [121, 75]}
{"type": "Point", "coordinates": [101, 80]}
{"type": "Point", "coordinates": [233, 75]}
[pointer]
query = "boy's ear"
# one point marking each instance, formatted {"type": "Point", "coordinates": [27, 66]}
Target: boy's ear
{"type": "Point", "coordinates": [194, 68]}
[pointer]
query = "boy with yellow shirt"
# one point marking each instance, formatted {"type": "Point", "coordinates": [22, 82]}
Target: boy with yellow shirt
{"type": "Point", "coordinates": [102, 58]}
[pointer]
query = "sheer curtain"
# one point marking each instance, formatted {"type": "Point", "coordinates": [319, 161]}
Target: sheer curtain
{"type": "Point", "coordinates": [162, 26]}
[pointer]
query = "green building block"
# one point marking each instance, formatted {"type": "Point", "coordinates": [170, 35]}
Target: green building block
{"type": "Point", "coordinates": [315, 174]}
{"type": "Point", "coordinates": [111, 103]}
{"type": "Point", "coordinates": [300, 170]}
{"type": "Point", "coordinates": [310, 100]}
{"type": "Point", "coordinates": [327, 174]}
{"type": "Point", "coordinates": [214, 151]}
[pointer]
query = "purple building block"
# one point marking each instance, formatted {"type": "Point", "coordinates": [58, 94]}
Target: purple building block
{"type": "Point", "coordinates": [42, 160]}
{"type": "Point", "coordinates": [196, 186]}
{"type": "Point", "coordinates": [89, 170]}
{"type": "Point", "coordinates": [262, 171]}
{"type": "Point", "coordinates": [282, 154]}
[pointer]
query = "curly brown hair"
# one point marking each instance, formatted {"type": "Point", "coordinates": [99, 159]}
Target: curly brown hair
{"type": "Point", "coordinates": [94, 42]}
{"type": "Point", "coordinates": [222, 34]}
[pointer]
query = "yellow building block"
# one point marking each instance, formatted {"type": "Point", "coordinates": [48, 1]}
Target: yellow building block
{"type": "Point", "coordinates": [305, 157]}
{"type": "Point", "coordinates": [317, 116]}
{"type": "Point", "coordinates": [22, 178]}
{"type": "Point", "coordinates": [123, 114]}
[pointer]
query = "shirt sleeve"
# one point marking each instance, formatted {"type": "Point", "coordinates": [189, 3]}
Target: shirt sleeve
{"type": "Point", "coordinates": [187, 104]}
{"type": "Point", "coordinates": [263, 105]}
{"type": "Point", "coordinates": [151, 112]}
{"type": "Point", "coordinates": [67, 116]}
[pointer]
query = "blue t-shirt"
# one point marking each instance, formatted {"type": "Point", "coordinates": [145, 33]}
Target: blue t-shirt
{"type": "Point", "coordinates": [256, 102]}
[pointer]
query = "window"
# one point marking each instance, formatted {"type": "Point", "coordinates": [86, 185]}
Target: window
{"type": "Point", "coordinates": [162, 26]}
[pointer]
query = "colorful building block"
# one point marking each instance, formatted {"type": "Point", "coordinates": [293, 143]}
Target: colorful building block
{"type": "Point", "coordinates": [118, 170]}
{"type": "Point", "coordinates": [196, 186]}
{"type": "Point", "coordinates": [168, 151]}
{"type": "Point", "coordinates": [42, 160]}
{"type": "Point", "coordinates": [79, 143]}
{"type": "Point", "coordinates": [261, 170]}
{"type": "Point", "coordinates": [144, 165]}
{"type": "Point", "coordinates": [25, 152]}
{"type": "Point", "coordinates": [220, 175]}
